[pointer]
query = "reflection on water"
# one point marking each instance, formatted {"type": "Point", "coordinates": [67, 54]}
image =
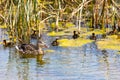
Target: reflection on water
{"type": "Point", "coordinates": [85, 63]}
{"type": "Point", "coordinates": [82, 63]}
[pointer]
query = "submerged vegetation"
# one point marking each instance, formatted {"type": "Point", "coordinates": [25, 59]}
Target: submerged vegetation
{"type": "Point", "coordinates": [58, 18]}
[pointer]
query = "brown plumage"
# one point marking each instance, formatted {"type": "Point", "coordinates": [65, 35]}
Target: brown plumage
{"type": "Point", "coordinates": [30, 49]}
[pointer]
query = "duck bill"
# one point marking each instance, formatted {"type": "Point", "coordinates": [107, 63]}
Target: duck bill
{"type": "Point", "coordinates": [45, 46]}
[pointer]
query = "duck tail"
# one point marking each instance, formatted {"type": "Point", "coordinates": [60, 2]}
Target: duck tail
{"type": "Point", "coordinates": [17, 47]}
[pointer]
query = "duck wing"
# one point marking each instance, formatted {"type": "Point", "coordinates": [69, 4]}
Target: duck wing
{"type": "Point", "coordinates": [29, 47]}
{"type": "Point", "coordinates": [33, 46]}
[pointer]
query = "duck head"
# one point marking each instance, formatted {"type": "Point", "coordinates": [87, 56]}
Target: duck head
{"type": "Point", "coordinates": [42, 44]}
{"type": "Point", "coordinates": [56, 39]}
{"type": "Point", "coordinates": [93, 34]}
{"type": "Point", "coordinates": [74, 32]}
{"type": "Point", "coordinates": [4, 42]}
{"type": "Point", "coordinates": [34, 32]}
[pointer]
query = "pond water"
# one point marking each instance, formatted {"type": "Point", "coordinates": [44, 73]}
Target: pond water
{"type": "Point", "coordinates": [81, 63]}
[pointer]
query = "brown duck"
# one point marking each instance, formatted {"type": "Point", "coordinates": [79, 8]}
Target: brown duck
{"type": "Point", "coordinates": [30, 49]}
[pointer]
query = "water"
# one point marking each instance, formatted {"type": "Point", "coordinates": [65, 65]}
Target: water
{"type": "Point", "coordinates": [82, 63]}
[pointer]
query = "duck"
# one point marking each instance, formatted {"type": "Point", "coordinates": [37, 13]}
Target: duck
{"type": "Point", "coordinates": [93, 36]}
{"type": "Point", "coordinates": [55, 42]}
{"type": "Point", "coordinates": [75, 35]}
{"type": "Point", "coordinates": [7, 44]}
{"type": "Point", "coordinates": [34, 35]}
{"type": "Point", "coordinates": [30, 49]}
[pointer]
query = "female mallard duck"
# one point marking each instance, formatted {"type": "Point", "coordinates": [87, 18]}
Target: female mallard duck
{"type": "Point", "coordinates": [30, 49]}
{"type": "Point", "coordinates": [7, 44]}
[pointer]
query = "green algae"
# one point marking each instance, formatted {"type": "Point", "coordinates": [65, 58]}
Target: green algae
{"type": "Point", "coordinates": [3, 26]}
{"type": "Point", "coordinates": [49, 51]}
{"type": "Point", "coordinates": [53, 33]}
{"type": "Point", "coordinates": [69, 24]}
{"type": "Point", "coordinates": [73, 42]}
{"type": "Point", "coordinates": [97, 31]}
{"type": "Point", "coordinates": [113, 44]}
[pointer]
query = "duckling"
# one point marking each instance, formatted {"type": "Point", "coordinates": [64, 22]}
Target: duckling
{"type": "Point", "coordinates": [55, 42]}
{"type": "Point", "coordinates": [7, 44]}
{"type": "Point", "coordinates": [34, 35]}
{"type": "Point", "coordinates": [93, 36]}
{"type": "Point", "coordinates": [75, 35]}
{"type": "Point", "coordinates": [30, 49]}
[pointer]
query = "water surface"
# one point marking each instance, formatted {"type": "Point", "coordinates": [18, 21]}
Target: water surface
{"type": "Point", "coordinates": [82, 63]}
